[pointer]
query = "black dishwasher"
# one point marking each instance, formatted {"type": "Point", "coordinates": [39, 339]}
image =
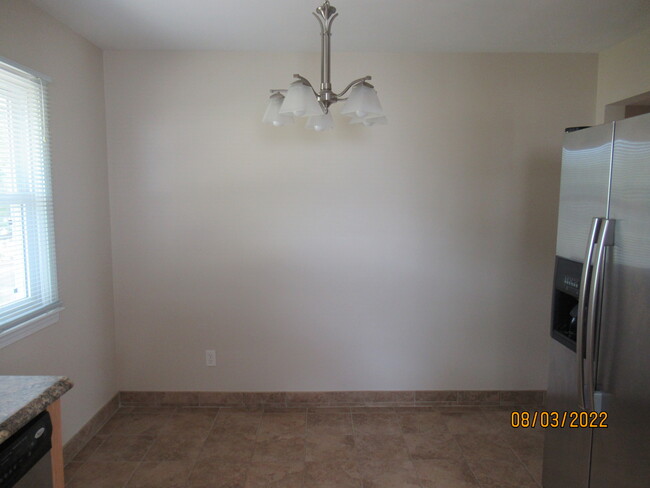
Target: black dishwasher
{"type": "Point", "coordinates": [25, 458]}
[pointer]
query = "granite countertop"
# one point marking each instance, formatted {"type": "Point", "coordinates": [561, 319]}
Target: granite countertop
{"type": "Point", "coordinates": [23, 397]}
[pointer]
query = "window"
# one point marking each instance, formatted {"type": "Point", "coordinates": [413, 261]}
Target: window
{"type": "Point", "coordinates": [29, 298]}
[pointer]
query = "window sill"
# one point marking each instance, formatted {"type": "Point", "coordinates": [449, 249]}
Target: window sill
{"type": "Point", "coordinates": [28, 328]}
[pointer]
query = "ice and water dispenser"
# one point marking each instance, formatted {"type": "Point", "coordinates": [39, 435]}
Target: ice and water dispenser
{"type": "Point", "coordinates": [565, 301]}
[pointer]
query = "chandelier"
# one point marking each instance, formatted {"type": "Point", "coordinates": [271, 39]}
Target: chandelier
{"type": "Point", "coordinates": [301, 100]}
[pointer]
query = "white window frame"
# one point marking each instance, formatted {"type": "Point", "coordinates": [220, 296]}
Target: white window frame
{"type": "Point", "coordinates": [26, 325]}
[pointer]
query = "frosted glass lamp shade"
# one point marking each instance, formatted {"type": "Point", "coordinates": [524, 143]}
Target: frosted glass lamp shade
{"type": "Point", "coordinates": [369, 121]}
{"type": "Point", "coordinates": [321, 122]}
{"type": "Point", "coordinates": [272, 115]}
{"type": "Point", "coordinates": [300, 101]}
{"type": "Point", "coordinates": [362, 102]}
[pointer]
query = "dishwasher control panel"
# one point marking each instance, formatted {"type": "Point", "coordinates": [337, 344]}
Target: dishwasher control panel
{"type": "Point", "coordinates": [24, 449]}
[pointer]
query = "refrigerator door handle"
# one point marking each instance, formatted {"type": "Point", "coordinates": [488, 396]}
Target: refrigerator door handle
{"type": "Point", "coordinates": [585, 280]}
{"type": "Point", "coordinates": [605, 239]}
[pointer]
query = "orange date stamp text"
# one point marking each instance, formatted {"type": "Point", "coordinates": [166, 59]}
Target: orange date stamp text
{"type": "Point", "coordinates": [558, 420]}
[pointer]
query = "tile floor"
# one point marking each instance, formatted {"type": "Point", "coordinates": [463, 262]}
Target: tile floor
{"type": "Point", "coordinates": [374, 447]}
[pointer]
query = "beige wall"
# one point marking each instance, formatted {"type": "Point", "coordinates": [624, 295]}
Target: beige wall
{"type": "Point", "coordinates": [623, 71]}
{"type": "Point", "coordinates": [416, 255]}
{"type": "Point", "coordinates": [81, 345]}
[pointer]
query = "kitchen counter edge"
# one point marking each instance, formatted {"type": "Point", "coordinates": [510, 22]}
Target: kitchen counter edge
{"type": "Point", "coordinates": [23, 397]}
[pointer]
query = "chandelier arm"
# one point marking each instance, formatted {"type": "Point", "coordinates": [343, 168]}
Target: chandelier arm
{"type": "Point", "coordinates": [354, 83]}
{"type": "Point", "coordinates": [306, 82]}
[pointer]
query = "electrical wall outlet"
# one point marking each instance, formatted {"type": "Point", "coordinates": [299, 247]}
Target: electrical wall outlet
{"type": "Point", "coordinates": [210, 357]}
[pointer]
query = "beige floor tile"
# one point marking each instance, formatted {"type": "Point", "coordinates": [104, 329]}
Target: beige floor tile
{"type": "Point", "coordinates": [217, 473]}
{"type": "Point", "coordinates": [380, 449]}
{"type": "Point", "coordinates": [88, 449]}
{"type": "Point", "coordinates": [282, 423]}
{"type": "Point", "coordinates": [467, 422]}
{"type": "Point", "coordinates": [525, 439]}
{"type": "Point", "coordinates": [174, 448]}
{"type": "Point", "coordinates": [198, 412]}
{"type": "Point", "coordinates": [390, 475]}
{"type": "Point", "coordinates": [376, 424]}
{"type": "Point", "coordinates": [190, 423]}
{"type": "Point", "coordinates": [374, 447]}
{"type": "Point", "coordinates": [501, 474]}
{"type": "Point", "coordinates": [329, 448]}
{"type": "Point", "coordinates": [485, 447]}
{"type": "Point", "coordinates": [432, 422]}
{"type": "Point", "coordinates": [332, 474]}
{"type": "Point", "coordinates": [529, 448]}
{"type": "Point", "coordinates": [280, 448]}
{"type": "Point", "coordinates": [428, 446]}
{"type": "Point", "coordinates": [505, 429]}
{"type": "Point", "coordinates": [276, 474]}
{"type": "Point", "coordinates": [445, 473]}
{"type": "Point", "coordinates": [498, 417]}
{"type": "Point", "coordinates": [329, 423]}
{"type": "Point", "coordinates": [280, 413]}
{"type": "Point", "coordinates": [234, 416]}
{"type": "Point", "coordinates": [70, 470]}
{"type": "Point", "coordinates": [102, 475]}
{"type": "Point", "coordinates": [238, 425]}
{"type": "Point", "coordinates": [233, 432]}
{"type": "Point", "coordinates": [134, 424]}
{"type": "Point", "coordinates": [534, 467]}
{"type": "Point", "coordinates": [532, 458]}
{"type": "Point", "coordinates": [233, 447]}
{"type": "Point", "coordinates": [168, 474]}
{"type": "Point", "coordinates": [122, 448]}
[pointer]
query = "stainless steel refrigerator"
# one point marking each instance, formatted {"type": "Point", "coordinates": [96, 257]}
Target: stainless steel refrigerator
{"type": "Point", "coordinates": [600, 347]}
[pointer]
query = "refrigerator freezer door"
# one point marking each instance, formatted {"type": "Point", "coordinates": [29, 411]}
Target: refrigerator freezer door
{"type": "Point", "coordinates": [621, 453]}
{"type": "Point", "coordinates": [584, 194]}
{"type": "Point", "coordinates": [584, 188]}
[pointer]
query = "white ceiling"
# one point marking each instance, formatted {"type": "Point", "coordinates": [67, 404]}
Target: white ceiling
{"type": "Point", "coordinates": [363, 25]}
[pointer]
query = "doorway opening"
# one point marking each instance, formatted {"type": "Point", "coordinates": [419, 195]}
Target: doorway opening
{"type": "Point", "coordinates": [630, 107]}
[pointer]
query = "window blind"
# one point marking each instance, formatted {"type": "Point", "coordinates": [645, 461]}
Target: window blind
{"type": "Point", "coordinates": [28, 285]}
